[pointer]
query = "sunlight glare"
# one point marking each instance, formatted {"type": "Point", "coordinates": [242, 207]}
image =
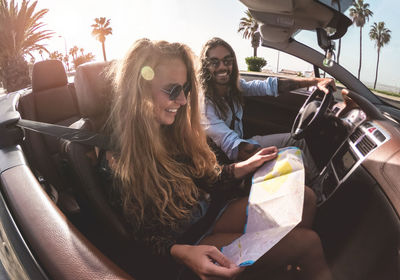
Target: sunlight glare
{"type": "Point", "coordinates": [147, 73]}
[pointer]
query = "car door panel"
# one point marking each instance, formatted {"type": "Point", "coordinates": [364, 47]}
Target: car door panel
{"type": "Point", "coordinates": [268, 115]}
{"type": "Point", "coordinates": [358, 225]}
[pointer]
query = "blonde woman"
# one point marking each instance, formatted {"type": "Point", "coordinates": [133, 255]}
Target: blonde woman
{"type": "Point", "coordinates": [169, 185]}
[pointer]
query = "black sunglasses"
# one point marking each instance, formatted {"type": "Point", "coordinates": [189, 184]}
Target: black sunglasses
{"type": "Point", "coordinates": [175, 90]}
{"type": "Point", "coordinates": [214, 62]}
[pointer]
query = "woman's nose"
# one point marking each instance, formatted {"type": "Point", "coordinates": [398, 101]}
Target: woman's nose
{"type": "Point", "coordinates": [181, 99]}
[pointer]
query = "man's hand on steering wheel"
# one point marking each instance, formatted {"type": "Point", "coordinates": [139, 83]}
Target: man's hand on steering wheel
{"type": "Point", "coordinates": [323, 84]}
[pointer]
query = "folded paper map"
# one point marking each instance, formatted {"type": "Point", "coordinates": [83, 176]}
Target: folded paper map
{"type": "Point", "coordinates": [275, 207]}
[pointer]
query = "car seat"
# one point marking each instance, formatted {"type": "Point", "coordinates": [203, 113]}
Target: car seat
{"type": "Point", "coordinates": [52, 100]}
{"type": "Point", "coordinates": [93, 94]}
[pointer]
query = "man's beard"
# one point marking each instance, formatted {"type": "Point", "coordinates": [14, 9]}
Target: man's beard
{"type": "Point", "coordinates": [222, 80]}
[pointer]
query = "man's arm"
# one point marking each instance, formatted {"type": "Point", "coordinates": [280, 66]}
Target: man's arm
{"type": "Point", "coordinates": [288, 84]}
{"type": "Point", "coordinates": [266, 87]}
{"type": "Point", "coordinates": [224, 137]}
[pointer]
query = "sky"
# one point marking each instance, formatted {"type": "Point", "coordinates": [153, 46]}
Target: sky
{"type": "Point", "coordinates": [193, 22]}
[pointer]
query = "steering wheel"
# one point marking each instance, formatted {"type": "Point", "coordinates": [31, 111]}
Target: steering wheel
{"type": "Point", "coordinates": [311, 112]}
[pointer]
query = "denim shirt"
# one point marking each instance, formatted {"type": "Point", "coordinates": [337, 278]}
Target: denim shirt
{"type": "Point", "coordinates": [218, 129]}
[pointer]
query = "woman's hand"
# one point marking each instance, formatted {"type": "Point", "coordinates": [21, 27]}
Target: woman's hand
{"type": "Point", "coordinates": [250, 165]}
{"type": "Point", "coordinates": [206, 261]}
{"type": "Point", "coordinates": [246, 150]}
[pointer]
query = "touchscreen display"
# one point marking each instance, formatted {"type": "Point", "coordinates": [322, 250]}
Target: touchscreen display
{"type": "Point", "coordinates": [348, 161]}
{"type": "Point", "coordinates": [343, 161]}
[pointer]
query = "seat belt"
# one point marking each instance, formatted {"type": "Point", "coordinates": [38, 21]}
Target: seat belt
{"type": "Point", "coordinates": [81, 136]}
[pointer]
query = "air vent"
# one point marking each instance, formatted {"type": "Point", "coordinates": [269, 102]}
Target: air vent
{"type": "Point", "coordinates": [356, 134]}
{"type": "Point", "coordinates": [365, 145]}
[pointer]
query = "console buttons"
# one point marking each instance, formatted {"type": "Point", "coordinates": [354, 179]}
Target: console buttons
{"type": "Point", "coordinates": [378, 135]}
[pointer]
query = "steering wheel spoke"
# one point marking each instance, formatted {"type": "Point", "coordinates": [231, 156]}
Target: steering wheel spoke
{"type": "Point", "coordinates": [310, 113]}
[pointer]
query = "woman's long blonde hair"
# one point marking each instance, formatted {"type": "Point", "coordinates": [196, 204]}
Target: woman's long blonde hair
{"type": "Point", "coordinates": [155, 166]}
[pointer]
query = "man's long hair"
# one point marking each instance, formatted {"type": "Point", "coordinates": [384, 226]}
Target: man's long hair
{"type": "Point", "coordinates": [156, 187]}
{"type": "Point", "coordinates": [207, 83]}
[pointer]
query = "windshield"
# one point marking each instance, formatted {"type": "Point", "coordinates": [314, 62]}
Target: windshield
{"type": "Point", "coordinates": [380, 76]}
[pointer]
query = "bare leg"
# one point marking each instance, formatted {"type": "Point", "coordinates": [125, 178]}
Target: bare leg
{"type": "Point", "coordinates": [234, 217]}
{"type": "Point", "coordinates": [229, 226]}
{"type": "Point", "coordinates": [309, 208]}
{"type": "Point", "coordinates": [301, 246]}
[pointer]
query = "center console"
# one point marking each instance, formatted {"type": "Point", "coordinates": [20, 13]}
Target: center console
{"type": "Point", "coordinates": [364, 140]}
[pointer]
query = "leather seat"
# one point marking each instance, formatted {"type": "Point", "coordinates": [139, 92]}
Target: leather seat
{"type": "Point", "coordinates": [52, 100]}
{"type": "Point", "coordinates": [93, 94]}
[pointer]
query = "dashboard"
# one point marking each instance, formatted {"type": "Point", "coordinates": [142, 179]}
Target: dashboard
{"type": "Point", "coordinates": [365, 135]}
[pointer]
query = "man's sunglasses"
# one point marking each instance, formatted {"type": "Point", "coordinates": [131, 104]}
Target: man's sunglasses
{"type": "Point", "coordinates": [175, 89]}
{"type": "Point", "coordinates": [214, 62]}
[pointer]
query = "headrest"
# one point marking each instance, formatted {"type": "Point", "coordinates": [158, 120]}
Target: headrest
{"type": "Point", "coordinates": [48, 74]}
{"type": "Point", "coordinates": [92, 88]}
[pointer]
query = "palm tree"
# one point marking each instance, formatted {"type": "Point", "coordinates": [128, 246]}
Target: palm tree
{"type": "Point", "coordinates": [56, 55]}
{"type": "Point", "coordinates": [66, 61]}
{"type": "Point", "coordinates": [101, 28]}
{"type": "Point", "coordinates": [83, 59]}
{"type": "Point", "coordinates": [381, 35]}
{"type": "Point", "coordinates": [249, 26]}
{"type": "Point", "coordinates": [20, 35]}
{"type": "Point", "coordinates": [74, 52]}
{"type": "Point", "coordinates": [360, 14]}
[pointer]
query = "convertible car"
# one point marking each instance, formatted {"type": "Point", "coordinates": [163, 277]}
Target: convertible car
{"type": "Point", "coordinates": [55, 222]}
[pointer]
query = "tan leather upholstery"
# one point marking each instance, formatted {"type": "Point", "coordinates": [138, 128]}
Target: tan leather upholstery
{"type": "Point", "coordinates": [93, 93]}
{"type": "Point", "coordinates": [52, 100]}
{"type": "Point", "coordinates": [48, 74]}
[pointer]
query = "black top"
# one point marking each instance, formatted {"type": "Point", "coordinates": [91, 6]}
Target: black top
{"type": "Point", "coordinates": [155, 241]}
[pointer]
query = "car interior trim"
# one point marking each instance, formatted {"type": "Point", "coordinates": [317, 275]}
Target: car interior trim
{"type": "Point", "coordinates": [63, 251]}
{"type": "Point", "coordinates": [20, 263]}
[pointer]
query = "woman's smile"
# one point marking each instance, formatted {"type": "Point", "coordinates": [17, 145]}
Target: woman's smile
{"type": "Point", "coordinates": [171, 71]}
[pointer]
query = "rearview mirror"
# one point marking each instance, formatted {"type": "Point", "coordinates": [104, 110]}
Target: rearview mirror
{"type": "Point", "coordinates": [325, 42]}
{"type": "Point", "coordinates": [323, 39]}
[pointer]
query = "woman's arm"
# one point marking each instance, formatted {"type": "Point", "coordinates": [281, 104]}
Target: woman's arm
{"type": "Point", "coordinates": [248, 166]}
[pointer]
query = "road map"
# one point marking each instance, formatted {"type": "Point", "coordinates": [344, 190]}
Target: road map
{"type": "Point", "coordinates": [275, 207]}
